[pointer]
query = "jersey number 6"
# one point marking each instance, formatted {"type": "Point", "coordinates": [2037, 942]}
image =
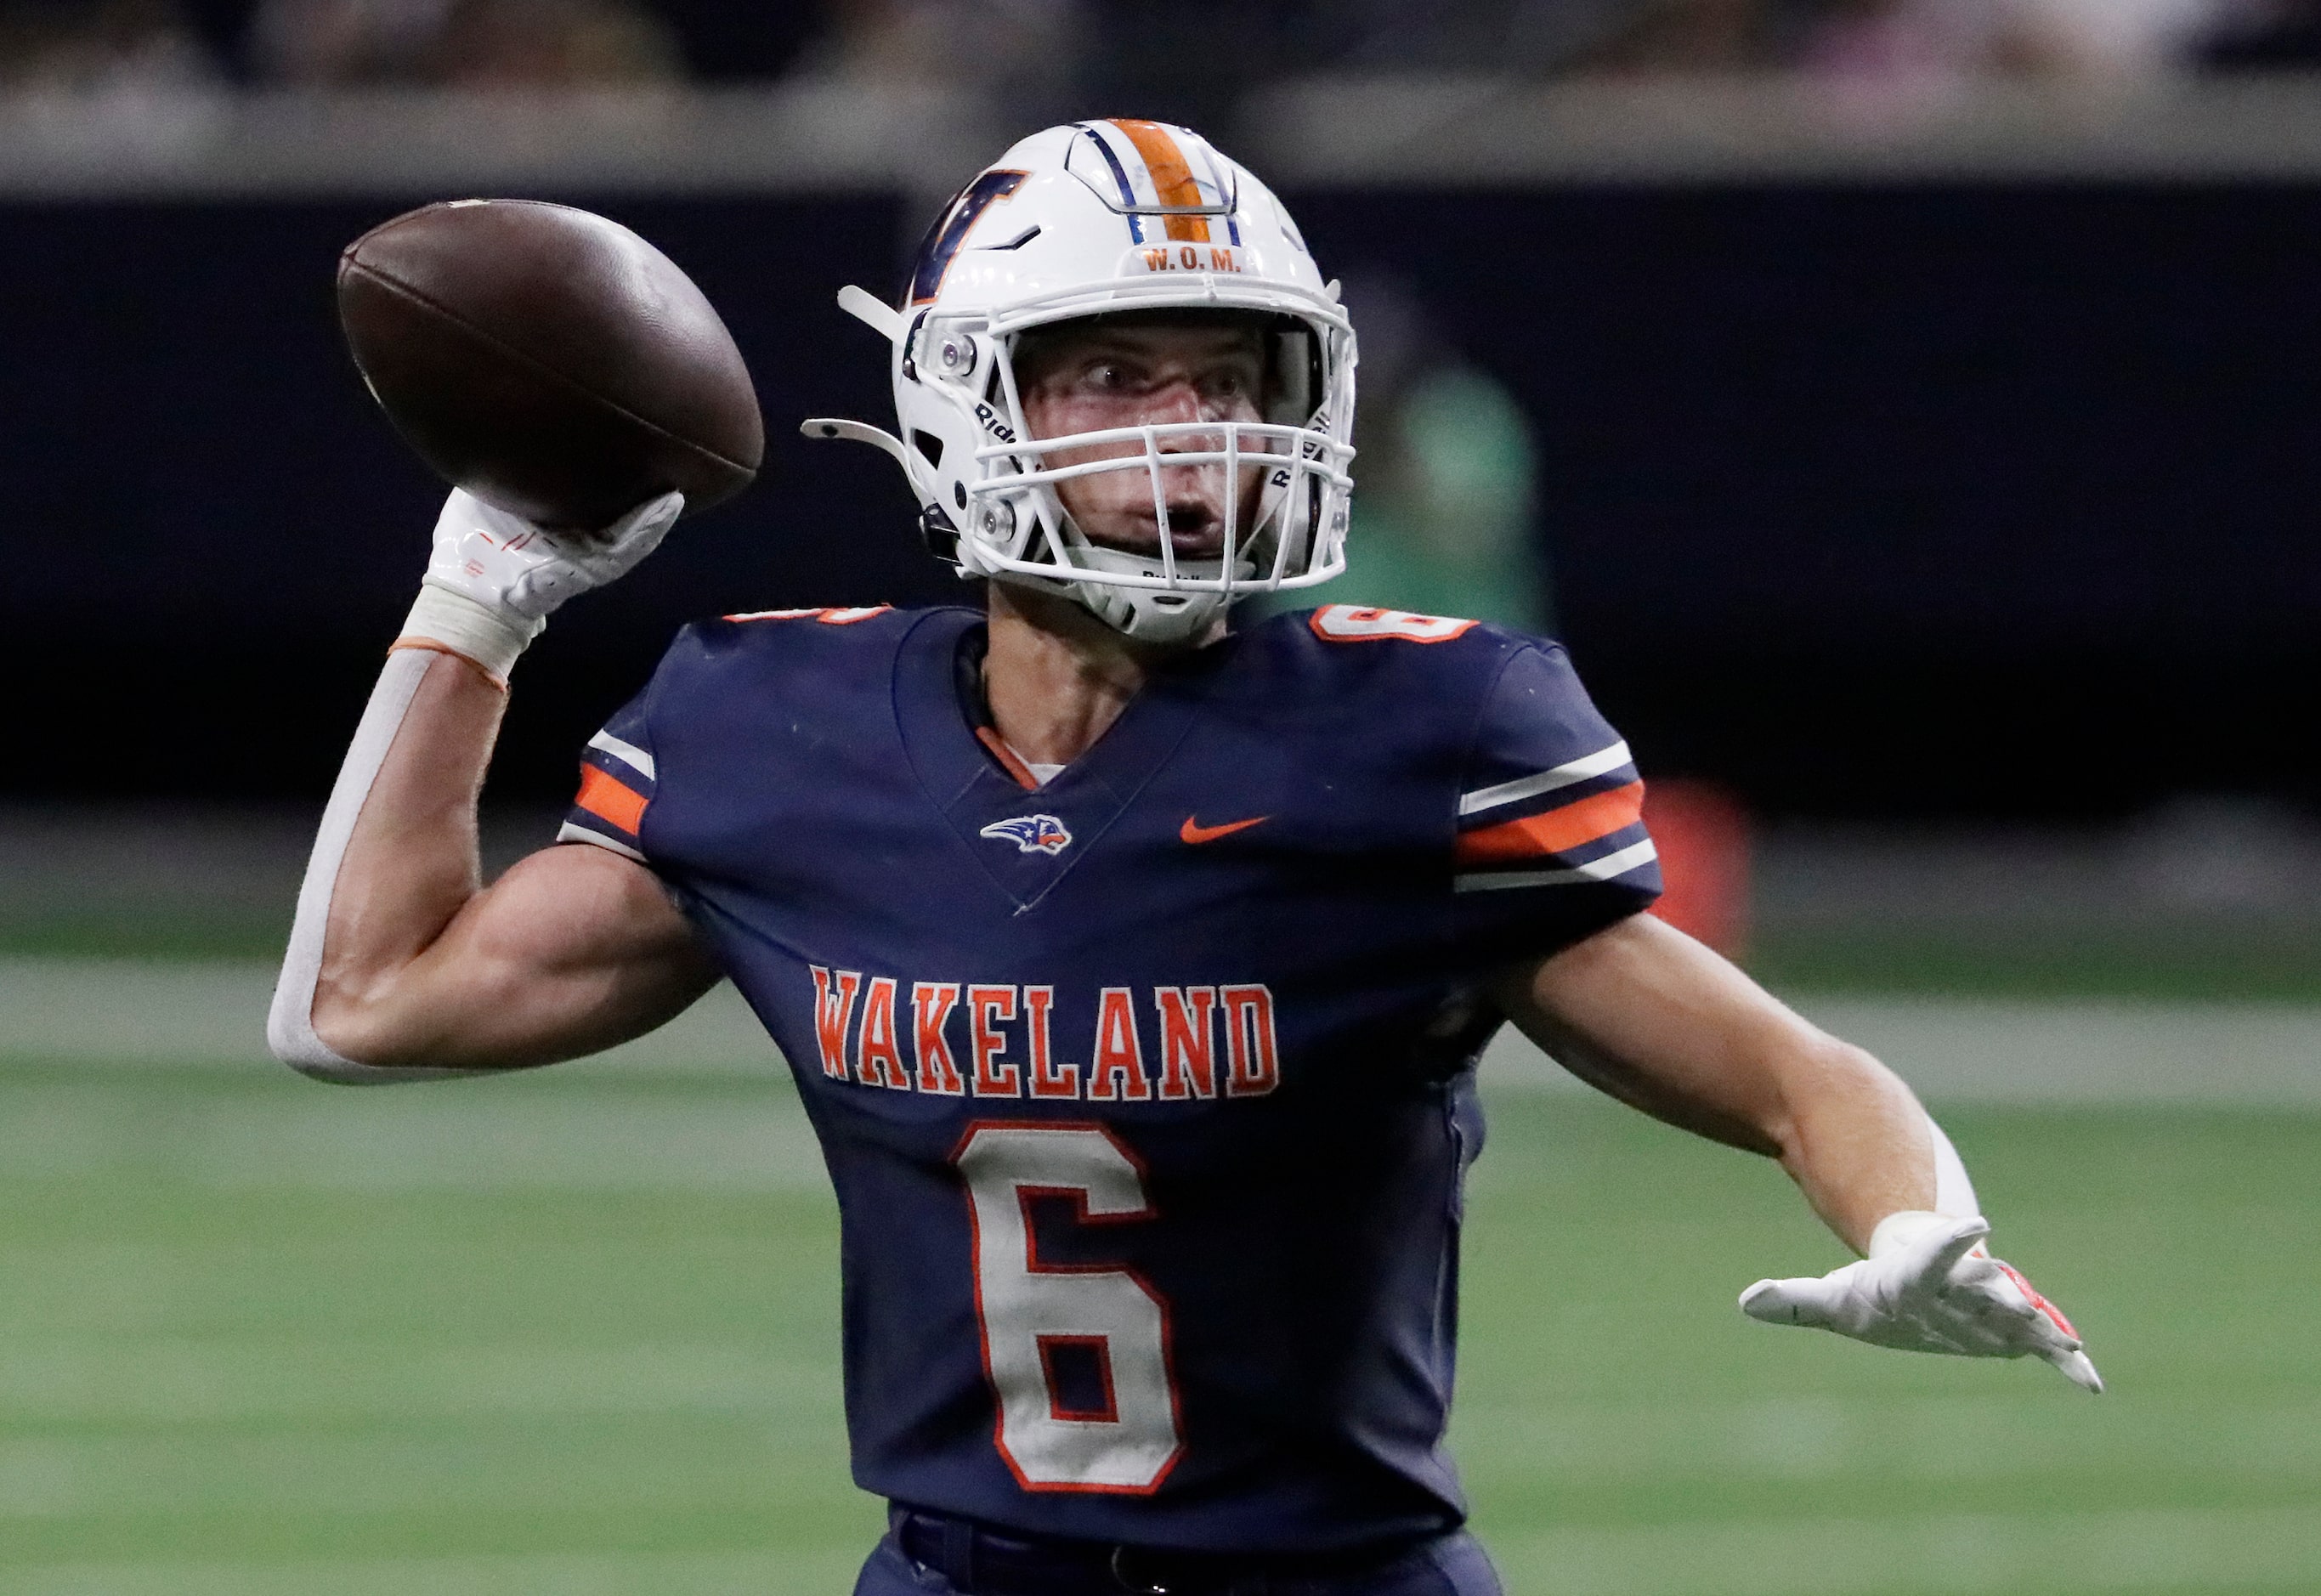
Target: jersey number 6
{"type": "Point", "coordinates": [1118, 1431]}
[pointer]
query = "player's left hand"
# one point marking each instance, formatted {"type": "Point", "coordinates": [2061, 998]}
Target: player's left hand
{"type": "Point", "coordinates": [1929, 1286]}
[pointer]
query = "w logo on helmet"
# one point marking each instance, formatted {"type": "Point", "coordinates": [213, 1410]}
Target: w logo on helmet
{"type": "Point", "coordinates": [1030, 834]}
{"type": "Point", "coordinates": [951, 229]}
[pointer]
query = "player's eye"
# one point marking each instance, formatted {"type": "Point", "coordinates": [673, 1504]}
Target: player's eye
{"type": "Point", "coordinates": [1229, 383]}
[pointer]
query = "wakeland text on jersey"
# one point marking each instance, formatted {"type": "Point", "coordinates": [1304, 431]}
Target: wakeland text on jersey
{"type": "Point", "coordinates": [995, 1064]}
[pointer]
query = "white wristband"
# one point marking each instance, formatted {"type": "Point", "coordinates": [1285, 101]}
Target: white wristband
{"type": "Point", "coordinates": [1954, 1199]}
{"type": "Point", "coordinates": [490, 638]}
{"type": "Point", "coordinates": [1897, 1231]}
{"type": "Point", "coordinates": [1955, 1195]}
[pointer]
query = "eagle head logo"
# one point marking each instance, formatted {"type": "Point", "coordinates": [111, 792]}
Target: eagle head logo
{"type": "Point", "coordinates": [1030, 834]}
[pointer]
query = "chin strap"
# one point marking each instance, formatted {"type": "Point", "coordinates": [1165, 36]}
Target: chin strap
{"type": "Point", "coordinates": [290, 1024]}
{"type": "Point", "coordinates": [1151, 615]}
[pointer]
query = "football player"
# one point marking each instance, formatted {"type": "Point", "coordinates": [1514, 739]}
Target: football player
{"type": "Point", "coordinates": [1133, 969]}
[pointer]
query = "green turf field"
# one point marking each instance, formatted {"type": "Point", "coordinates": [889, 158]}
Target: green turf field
{"type": "Point", "coordinates": [577, 1334]}
{"type": "Point", "coordinates": [2233, 960]}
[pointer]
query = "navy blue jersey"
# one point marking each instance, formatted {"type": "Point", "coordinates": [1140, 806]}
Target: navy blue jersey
{"type": "Point", "coordinates": [1147, 1093]}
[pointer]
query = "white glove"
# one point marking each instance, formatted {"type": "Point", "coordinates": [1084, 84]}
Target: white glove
{"type": "Point", "coordinates": [1929, 1286]}
{"type": "Point", "coordinates": [494, 578]}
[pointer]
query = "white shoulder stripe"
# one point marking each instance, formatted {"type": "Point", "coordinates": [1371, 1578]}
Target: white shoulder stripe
{"type": "Point", "coordinates": [1524, 787]}
{"type": "Point", "coordinates": [1636, 856]}
{"type": "Point", "coordinates": [569, 833]}
{"type": "Point", "coordinates": [628, 753]}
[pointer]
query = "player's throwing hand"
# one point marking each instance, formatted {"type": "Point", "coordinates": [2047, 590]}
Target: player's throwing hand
{"type": "Point", "coordinates": [494, 578]}
{"type": "Point", "coordinates": [1929, 1286]}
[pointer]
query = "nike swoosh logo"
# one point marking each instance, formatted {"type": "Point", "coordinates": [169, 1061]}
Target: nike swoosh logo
{"type": "Point", "coordinates": [1193, 831]}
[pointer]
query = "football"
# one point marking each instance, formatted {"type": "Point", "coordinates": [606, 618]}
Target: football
{"type": "Point", "coordinates": [548, 361]}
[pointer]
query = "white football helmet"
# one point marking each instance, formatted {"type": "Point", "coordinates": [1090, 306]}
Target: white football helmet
{"type": "Point", "coordinates": [1085, 220]}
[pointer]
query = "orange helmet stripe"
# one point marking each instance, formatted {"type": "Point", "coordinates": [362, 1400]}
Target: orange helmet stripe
{"type": "Point", "coordinates": [1172, 174]}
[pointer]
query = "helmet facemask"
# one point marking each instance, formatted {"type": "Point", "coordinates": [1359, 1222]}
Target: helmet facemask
{"type": "Point", "coordinates": [1276, 486]}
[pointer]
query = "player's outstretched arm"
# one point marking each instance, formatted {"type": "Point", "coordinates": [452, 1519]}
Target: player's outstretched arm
{"type": "Point", "coordinates": [1646, 1014]}
{"type": "Point", "coordinates": [402, 965]}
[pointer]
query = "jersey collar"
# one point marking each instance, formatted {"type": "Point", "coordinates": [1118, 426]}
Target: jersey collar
{"type": "Point", "coordinates": [940, 709]}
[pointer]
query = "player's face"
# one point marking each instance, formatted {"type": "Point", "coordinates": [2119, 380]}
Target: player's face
{"type": "Point", "coordinates": [1098, 375]}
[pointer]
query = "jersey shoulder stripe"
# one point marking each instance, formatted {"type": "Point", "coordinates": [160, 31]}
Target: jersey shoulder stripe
{"type": "Point", "coordinates": [1623, 861]}
{"type": "Point", "coordinates": [1561, 830]}
{"type": "Point", "coordinates": [620, 776]}
{"type": "Point", "coordinates": [611, 799]}
{"type": "Point", "coordinates": [1588, 766]}
{"type": "Point", "coordinates": [628, 753]}
{"type": "Point", "coordinates": [1573, 814]}
{"type": "Point", "coordinates": [1551, 797]}
{"type": "Point", "coordinates": [572, 831]}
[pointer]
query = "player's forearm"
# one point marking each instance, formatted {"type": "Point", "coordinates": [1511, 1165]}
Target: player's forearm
{"type": "Point", "coordinates": [411, 864]}
{"type": "Point", "coordinates": [1648, 1014]}
{"type": "Point", "coordinates": [1851, 1135]}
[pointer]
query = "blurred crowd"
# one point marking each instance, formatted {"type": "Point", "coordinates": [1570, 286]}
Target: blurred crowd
{"type": "Point", "coordinates": [1167, 56]}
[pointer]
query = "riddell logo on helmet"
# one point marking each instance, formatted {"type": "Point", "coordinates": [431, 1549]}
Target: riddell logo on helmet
{"type": "Point", "coordinates": [1190, 257]}
{"type": "Point", "coordinates": [992, 424]}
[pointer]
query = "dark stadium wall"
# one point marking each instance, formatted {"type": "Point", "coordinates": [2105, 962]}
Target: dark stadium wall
{"type": "Point", "coordinates": [1926, 502]}
{"type": "Point", "coordinates": [219, 532]}
{"type": "Point", "coordinates": [1946, 499]}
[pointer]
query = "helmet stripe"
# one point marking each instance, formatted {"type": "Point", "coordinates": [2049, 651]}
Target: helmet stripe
{"type": "Point", "coordinates": [1225, 195]}
{"type": "Point", "coordinates": [1172, 176]}
{"type": "Point", "coordinates": [1119, 176]}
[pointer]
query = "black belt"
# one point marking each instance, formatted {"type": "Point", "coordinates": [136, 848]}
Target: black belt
{"type": "Point", "coordinates": [980, 1561]}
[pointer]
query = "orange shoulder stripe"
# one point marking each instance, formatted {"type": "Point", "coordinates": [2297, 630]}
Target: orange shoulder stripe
{"type": "Point", "coordinates": [609, 798]}
{"type": "Point", "coordinates": [1556, 831]}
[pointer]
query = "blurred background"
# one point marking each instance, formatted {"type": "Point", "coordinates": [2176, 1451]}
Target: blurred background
{"type": "Point", "coordinates": [1904, 409]}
